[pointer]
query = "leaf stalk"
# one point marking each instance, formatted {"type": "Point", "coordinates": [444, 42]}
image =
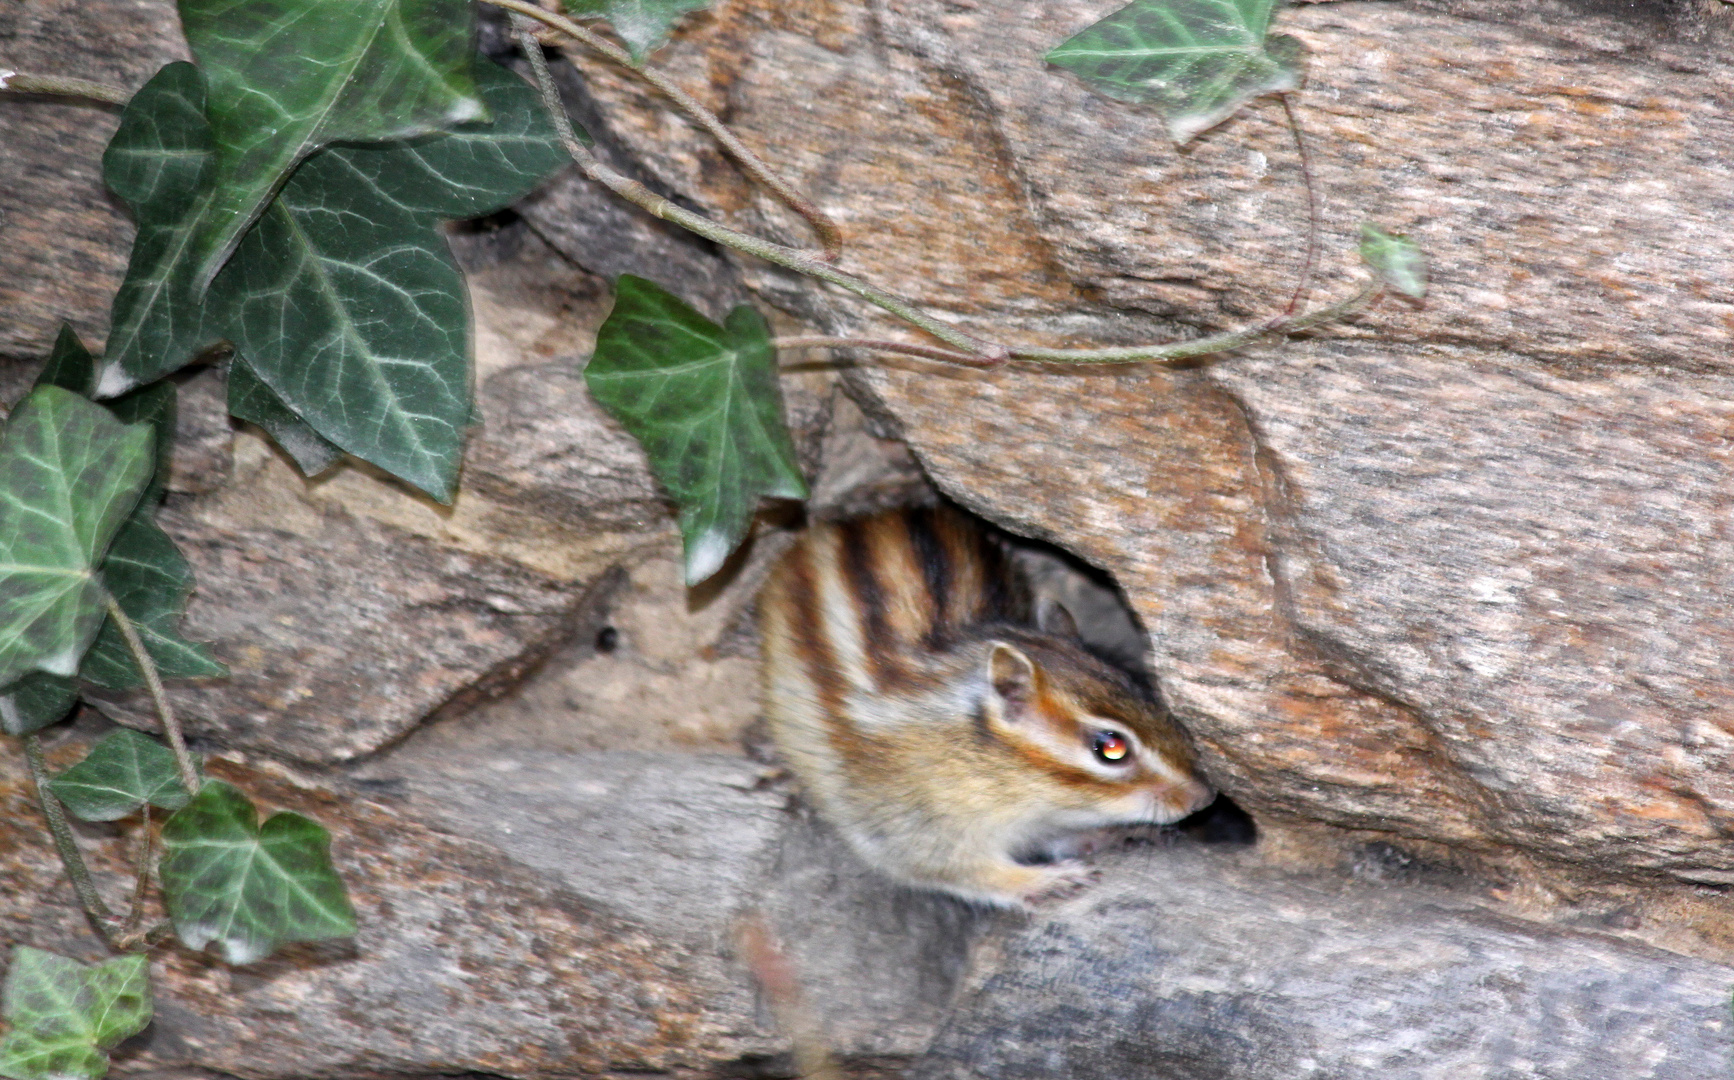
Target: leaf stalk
{"type": "Point", "coordinates": [1306, 168]}
{"type": "Point", "coordinates": [171, 726]}
{"type": "Point", "coordinates": [1215, 343]}
{"type": "Point", "coordinates": [19, 82]}
{"type": "Point", "coordinates": [778, 254]}
{"type": "Point", "coordinates": [101, 918]}
{"type": "Point", "coordinates": [829, 236]}
{"type": "Point", "coordinates": [879, 345]}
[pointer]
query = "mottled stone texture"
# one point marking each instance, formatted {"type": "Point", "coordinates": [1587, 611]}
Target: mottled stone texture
{"type": "Point", "coordinates": [1188, 966]}
{"type": "Point", "coordinates": [1442, 595]}
{"type": "Point", "coordinates": [63, 240]}
{"type": "Point", "coordinates": [1461, 571]}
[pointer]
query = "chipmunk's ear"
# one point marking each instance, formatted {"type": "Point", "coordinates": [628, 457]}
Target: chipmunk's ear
{"type": "Point", "coordinates": [1053, 617]}
{"type": "Point", "coordinates": [1012, 676]}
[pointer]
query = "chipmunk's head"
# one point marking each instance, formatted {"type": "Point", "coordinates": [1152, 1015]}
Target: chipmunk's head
{"type": "Point", "coordinates": [1100, 749]}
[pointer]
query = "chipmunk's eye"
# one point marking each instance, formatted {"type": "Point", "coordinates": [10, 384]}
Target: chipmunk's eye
{"type": "Point", "coordinates": [1110, 746]}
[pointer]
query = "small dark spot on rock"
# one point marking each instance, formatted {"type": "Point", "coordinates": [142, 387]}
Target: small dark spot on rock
{"type": "Point", "coordinates": [1623, 919]}
{"type": "Point", "coordinates": [1383, 862]}
{"type": "Point", "coordinates": [607, 639]}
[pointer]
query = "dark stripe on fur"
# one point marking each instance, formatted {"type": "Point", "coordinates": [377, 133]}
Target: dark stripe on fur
{"type": "Point", "coordinates": [862, 577]}
{"type": "Point", "coordinates": [935, 565]}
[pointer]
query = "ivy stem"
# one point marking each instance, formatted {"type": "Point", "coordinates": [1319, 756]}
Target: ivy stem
{"type": "Point", "coordinates": [21, 83]}
{"type": "Point", "coordinates": [877, 345]}
{"type": "Point", "coordinates": [821, 224]}
{"type": "Point", "coordinates": [973, 351]}
{"type": "Point", "coordinates": [791, 258]}
{"type": "Point", "coordinates": [101, 918]}
{"type": "Point", "coordinates": [130, 935]}
{"type": "Point", "coordinates": [1215, 343]}
{"type": "Point", "coordinates": [1306, 167]}
{"type": "Point", "coordinates": [171, 727]}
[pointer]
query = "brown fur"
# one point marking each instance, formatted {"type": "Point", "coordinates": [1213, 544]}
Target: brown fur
{"type": "Point", "coordinates": [878, 639]}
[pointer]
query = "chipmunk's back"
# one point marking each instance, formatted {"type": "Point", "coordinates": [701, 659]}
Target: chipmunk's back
{"type": "Point", "coordinates": [856, 599]}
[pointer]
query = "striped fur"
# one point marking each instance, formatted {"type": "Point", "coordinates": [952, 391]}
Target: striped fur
{"type": "Point", "coordinates": [948, 739]}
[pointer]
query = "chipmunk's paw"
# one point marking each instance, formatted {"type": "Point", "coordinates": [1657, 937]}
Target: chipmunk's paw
{"type": "Point", "coordinates": [1061, 881]}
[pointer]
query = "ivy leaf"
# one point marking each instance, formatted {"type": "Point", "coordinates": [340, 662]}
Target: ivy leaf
{"type": "Point", "coordinates": [346, 303]}
{"type": "Point", "coordinates": [1197, 61]}
{"type": "Point", "coordinates": [144, 571]}
{"type": "Point", "coordinates": [1397, 260]}
{"type": "Point", "coordinates": [64, 1014]}
{"type": "Point", "coordinates": [70, 474]}
{"type": "Point", "coordinates": [251, 400]}
{"type": "Point", "coordinates": [70, 365]}
{"type": "Point", "coordinates": [704, 402]}
{"type": "Point", "coordinates": [343, 300]}
{"type": "Point", "coordinates": [149, 578]}
{"type": "Point", "coordinates": [642, 24]}
{"type": "Point", "coordinates": [161, 164]}
{"type": "Point", "coordinates": [249, 888]}
{"type": "Point", "coordinates": [287, 77]}
{"type": "Point", "coordinates": [124, 771]}
{"type": "Point", "coordinates": [155, 405]}
{"type": "Point", "coordinates": [36, 701]}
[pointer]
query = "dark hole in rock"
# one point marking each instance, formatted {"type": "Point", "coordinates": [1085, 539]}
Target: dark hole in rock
{"type": "Point", "coordinates": [1222, 822]}
{"type": "Point", "coordinates": [607, 639]}
{"type": "Point", "coordinates": [482, 242]}
{"type": "Point", "coordinates": [758, 1067]}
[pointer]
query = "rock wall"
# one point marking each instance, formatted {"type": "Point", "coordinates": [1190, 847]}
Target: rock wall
{"type": "Point", "coordinates": [1442, 595]}
{"type": "Point", "coordinates": [1459, 572]}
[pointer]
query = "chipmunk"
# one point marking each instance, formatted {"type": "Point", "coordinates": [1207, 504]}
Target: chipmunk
{"type": "Point", "coordinates": [954, 738]}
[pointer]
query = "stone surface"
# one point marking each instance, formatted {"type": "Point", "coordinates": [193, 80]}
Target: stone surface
{"type": "Point", "coordinates": [1442, 595]}
{"type": "Point", "coordinates": [1457, 572]}
{"type": "Point", "coordinates": [1554, 170]}
{"type": "Point", "coordinates": [537, 913]}
{"type": "Point", "coordinates": [63, 239]}
{"type": "Point", "coordinates": [1185, 965]}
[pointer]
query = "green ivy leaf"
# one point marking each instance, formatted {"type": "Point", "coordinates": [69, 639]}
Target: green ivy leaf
{"type": "Point", "coordinates": [642, 24]}
{"type": "Point", "coordinates": [36, 701]}
{"type": "Point", "coordinates": [251, 400]}
{"type": "Point", "coordinates": [287, 77]}
{"type": "Point", "coordinates": [70, 474]}
{"type": "Point", "coordinates": [346, 303]}
{"type": "Point", "coordinates": [161, 164]}
{"type": "Point", "coordinates": [704, 402]}
{"type": "Point", "coordinates": [143, 570]}
{"type": "Point", "coordinates": [1397, 260]}
{"type": "Point", "coordinates": [125, 771]}
{"type": "Point", "coordinates": [70, 365]}
{"type": "Point", "coordinates": [1197, 61]}
{"type": "Point", "coordinates": [149, 577]}
{"type": "Point", "coordinates": [343, 299]}
{"type": "Point", "coordinates": [64, 1014]}
{"type": "Point", "coordinates": [155, 405]}
{"type": "Point", "coordinates": [245, 887]}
